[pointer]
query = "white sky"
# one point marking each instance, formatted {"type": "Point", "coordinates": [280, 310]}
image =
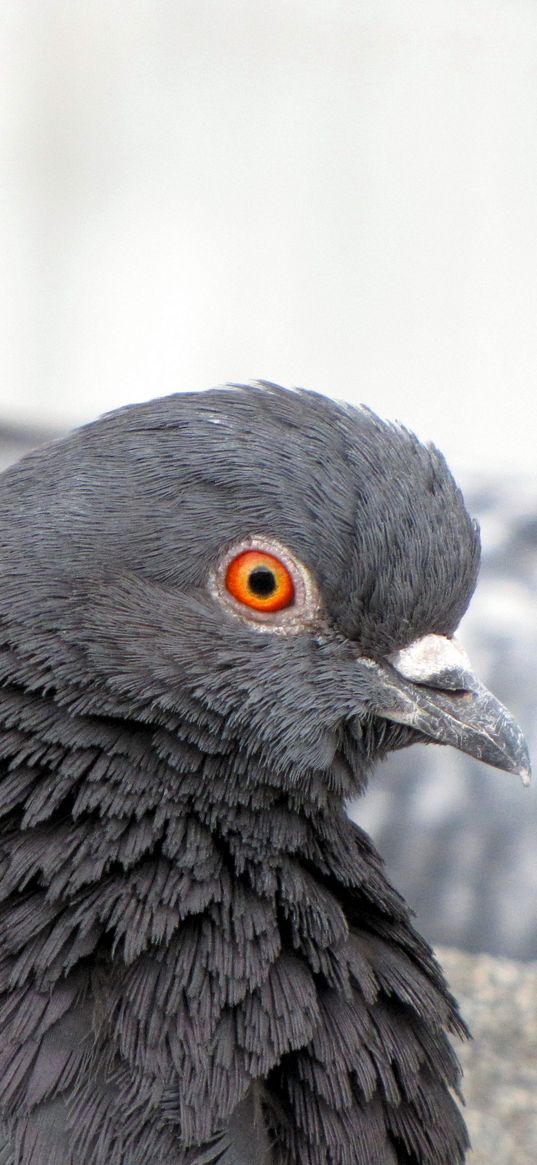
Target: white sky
{"type": "Point", "coordinates": [336, 194]}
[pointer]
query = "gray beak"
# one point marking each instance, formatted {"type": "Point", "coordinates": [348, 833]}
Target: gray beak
{"type": "Point", "coordinates": [430, 686]}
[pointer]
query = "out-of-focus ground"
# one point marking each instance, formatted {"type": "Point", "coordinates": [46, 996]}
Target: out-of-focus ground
{"type": "Point", "coordinates": [498, 998]}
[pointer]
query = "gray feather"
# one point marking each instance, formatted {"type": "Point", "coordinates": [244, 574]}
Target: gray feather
{"type": "Point", "coordinates": [201, 959]}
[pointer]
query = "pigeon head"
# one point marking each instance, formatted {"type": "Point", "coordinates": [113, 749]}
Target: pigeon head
{"type": "Point", "coordinates": [216, 611]}
{"type": "Point", "coordinates": [266, 567]}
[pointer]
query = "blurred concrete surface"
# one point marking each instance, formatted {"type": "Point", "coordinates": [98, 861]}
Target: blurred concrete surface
{"type": "Point", "coordinates": [498, 998]}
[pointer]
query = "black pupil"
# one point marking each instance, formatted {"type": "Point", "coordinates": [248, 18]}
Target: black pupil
{"type": "Point", "coordinates": [262, 582]}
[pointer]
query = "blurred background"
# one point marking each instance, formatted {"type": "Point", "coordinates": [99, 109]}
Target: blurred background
{"type": "Point", "coordinates": [336, 194]}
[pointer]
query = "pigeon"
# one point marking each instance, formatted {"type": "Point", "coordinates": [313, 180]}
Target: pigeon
{"type": "Point", "coordinates": [218, 611]}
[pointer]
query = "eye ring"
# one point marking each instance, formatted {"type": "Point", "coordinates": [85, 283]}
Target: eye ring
{"type": "Point", "coordinates": [283, 598]}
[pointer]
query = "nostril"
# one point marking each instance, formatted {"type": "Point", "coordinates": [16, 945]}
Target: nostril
{"type": "Point", "coordinates": [450, 693]}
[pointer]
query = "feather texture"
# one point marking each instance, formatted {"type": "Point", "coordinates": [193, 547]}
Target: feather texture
{"type": "Point", "coordinates": [201, 959]}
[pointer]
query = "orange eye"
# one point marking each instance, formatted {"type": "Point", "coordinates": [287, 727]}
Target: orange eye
{"type": "Point", "coordinates": [260, 581]}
